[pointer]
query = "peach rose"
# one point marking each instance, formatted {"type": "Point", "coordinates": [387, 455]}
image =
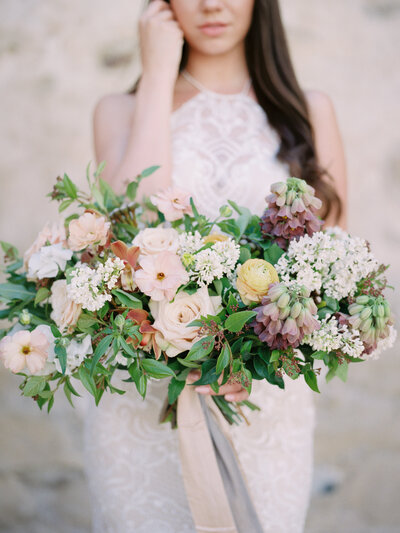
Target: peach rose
{"type": "Point", "coordinates": [155, 240]}
{"type": "Point", "coordinates": [171, 319]}
{"type": "Point", "coordinates": [54, 234]}
{"type": "Point", "coordinates": [88, 229]}
{"type": "Point", "coordinates": [65, 311]}
{"type": "Point", "coordinates": [254, 278]}
{"type": "Point", "coordinates": [173, 203]}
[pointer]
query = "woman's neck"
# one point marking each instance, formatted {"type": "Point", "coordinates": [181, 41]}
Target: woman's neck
{"type": "Point", "coordinates": [220, 73]}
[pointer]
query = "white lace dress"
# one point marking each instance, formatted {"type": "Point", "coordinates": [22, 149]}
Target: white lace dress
{"type": "Point", "coordinates": [223, 147]}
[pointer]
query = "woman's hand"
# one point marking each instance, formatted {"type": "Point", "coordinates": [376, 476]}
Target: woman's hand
{"type": "Point", "coordinates": [232, 393]}
{"type": "Point", "coordinates": [161, 41]}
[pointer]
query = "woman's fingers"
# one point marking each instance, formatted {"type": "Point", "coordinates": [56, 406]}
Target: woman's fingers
{"type": "Point", "coordinates": [237, 397]}
{"type": "Point", "coordinates": [225, 389]}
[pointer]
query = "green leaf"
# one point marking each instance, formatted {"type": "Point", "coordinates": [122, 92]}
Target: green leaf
{"type": "Point", "coordinates": [175, 387]}
{"type": "Point", "coordinates": [188, 364]}
{"type": "Point", "coordinates": [41, 295]}
{"type": "Point", "coordinates": [319, 354]}
{"type": "Point", "coordinates": [127, 348]}
{"type": "Point", "coordinates": [87, 380]}
{"type": "Point", "coordinates": [126, 299]}
{"type": "Point", "coordinates": [156, 369]}
{"type": "Point", "coordinates": [243, 220]}
{"type": "Point", "coordinates": [261, 367]}
{"type": "Point", "coordinates": [230, 226]}
{"type": "Point", "coordinates": [61, 354]}
{"type": "Point", "coordinates": [148, 171]}
{"type": "Point", "coordinates": [232, 304]}
{"type": "Point", "coordinates": [273, 253]}
{"type": "Point", "coordinates": [103, 310]}
{"type": "Point", "coordinates": [67, 393]}
{"type": "Point", "coordinates": [201, 348]}
{"type": "Point", "coordinates": [55, 331]}
{"type": "Point", "coordinates": [275, 356]}
{"type": "Point", "coordinates": [311, 380]}
{"type": "Point", "coordinates": [236, 321]}
{"type": "Point", "coordinates": [131, 190]}
{"type": "Point", "coordinates": [208, 373]}
{"type": "Point", "coordinates": [13, 291]}
{"type": "Point", "coordinates": [86, 321]}
{"type": "Point", "coordinates": [34, 385]}
{"type": "Point", "coordinates": [331, 303]}
{"type": "Point", "coordinates": [245, 254]}
{"type": "Point", "coordinates": [223, 358]}
{"type": "Point", "coordinates": [101, 349]}
{"type": "Point", "coordinates": [10, 250]}
{"type": "Point", "coordinates": [342, 371]}
{"type": "Point", "coordinates": [64, 204]}
{"type": "Point", "coordinates": [70, 187]}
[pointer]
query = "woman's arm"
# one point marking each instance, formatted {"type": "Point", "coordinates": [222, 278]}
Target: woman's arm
{"type": "Point", "coordinates": [329, 147]}
{"type": "Point", "coordinates": [130, 137]}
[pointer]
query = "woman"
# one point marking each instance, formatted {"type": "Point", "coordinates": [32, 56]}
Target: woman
{"type": "Point", "coordinates": [218, 107]}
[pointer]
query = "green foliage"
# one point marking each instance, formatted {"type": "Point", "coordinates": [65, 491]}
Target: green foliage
{"type": "Point", "coordinates": [236, 321]}
{"type": "Point", "coordinates": [175, 387]}
{"type": "Point", "coordinates": [200, 349]}
{"type": "Point", "coordinates": [156, 369]}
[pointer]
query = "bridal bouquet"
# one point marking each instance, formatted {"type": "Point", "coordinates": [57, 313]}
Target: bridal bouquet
{"type": "Point", "coordinates": [239, 297]}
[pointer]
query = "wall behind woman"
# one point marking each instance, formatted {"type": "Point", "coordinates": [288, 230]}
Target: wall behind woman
{"type": "Point", "coordinates": [56, 60]}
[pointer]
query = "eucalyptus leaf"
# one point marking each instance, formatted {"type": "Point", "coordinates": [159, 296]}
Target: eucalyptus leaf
{"type": "Point", "coordinates": [12, 291]}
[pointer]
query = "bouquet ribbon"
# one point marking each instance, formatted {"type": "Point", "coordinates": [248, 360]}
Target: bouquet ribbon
{"type": "Point", "coordinates": [215, 485]}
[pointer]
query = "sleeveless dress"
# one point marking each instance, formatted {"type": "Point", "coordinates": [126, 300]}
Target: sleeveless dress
{"type": "Point", "coordinates": [223, 148]}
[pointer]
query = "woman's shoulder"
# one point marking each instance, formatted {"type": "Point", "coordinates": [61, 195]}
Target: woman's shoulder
{"type": "Point", "coordinates": [113, 108]}
{"type": "Point", "coordinates": [319, 103]}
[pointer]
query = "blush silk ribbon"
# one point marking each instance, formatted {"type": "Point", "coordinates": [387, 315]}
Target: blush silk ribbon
{"type": "Point", "coordinates": [215, 484]}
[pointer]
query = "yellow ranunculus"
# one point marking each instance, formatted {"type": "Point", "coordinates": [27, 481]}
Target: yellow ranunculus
{"type": "Point", "coordinates": [254, 278]}
{"type": "Point", "coordinates": [215, 237]}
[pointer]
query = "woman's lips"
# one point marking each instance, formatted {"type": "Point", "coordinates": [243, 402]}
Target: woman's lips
{"type": "Point", "coordinates": [213, 29]}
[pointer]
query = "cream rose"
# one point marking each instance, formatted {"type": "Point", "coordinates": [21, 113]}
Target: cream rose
{"type": "Point", "coordinates": [65, 311]}
{"type": "Point", "coordinates": [171, 319]}
{"type": "Point", "coordinates": [155, 240]}
{"type": "Point", "coordinates": [253, 279]}
{"type": "Point", "coordinates": [88, 229]}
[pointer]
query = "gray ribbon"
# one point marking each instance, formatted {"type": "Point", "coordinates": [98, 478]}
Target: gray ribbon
{"type": "Point", "coordinates": [243, 510]}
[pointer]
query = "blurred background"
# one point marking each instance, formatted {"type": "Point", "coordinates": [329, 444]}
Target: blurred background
{"type": "Point", "coordinates": [57, 58]}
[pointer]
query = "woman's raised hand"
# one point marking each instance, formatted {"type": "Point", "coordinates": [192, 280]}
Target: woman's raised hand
{"type": "Point", "coordinates": [161, 41]}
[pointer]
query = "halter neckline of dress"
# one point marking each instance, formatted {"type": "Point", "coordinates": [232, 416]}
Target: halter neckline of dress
{"type": "Point", "coordinates": [193, 81]}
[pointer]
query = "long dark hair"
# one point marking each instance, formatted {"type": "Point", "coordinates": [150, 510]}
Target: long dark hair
{"type": "Point", "coordinates": [279, 94]}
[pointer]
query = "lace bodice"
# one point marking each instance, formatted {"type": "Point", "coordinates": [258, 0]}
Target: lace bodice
{"type": "Point", "coordinates": [223, 148]}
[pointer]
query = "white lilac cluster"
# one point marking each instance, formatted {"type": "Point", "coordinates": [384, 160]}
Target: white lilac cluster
{"type": "Point", "coordinates": [330, 261]}
{"type": "Point", "coordinates": [211, 263]}
{"type": "Point", "coordinates": [89, 286]}
{"type": "Point", "coordinates": [332, 336]}
{"type": "Point", "coordinates": [190, 242]}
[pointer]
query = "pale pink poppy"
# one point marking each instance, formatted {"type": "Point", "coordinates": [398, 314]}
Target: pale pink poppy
{"type": "Point", "coordinates": [161, 275]}
{"type": "Point", "coordinates": [25, 349]}
{"type": "Point", "coordinates": [53, 234]}
{"type": "Point", "coordinates": [88, 229]}
{"type": "Point", "coordinates": [173, 203]}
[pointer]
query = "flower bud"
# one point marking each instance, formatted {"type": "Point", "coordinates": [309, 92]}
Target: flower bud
{"type": "Point", "coordinates": [283, 300]}
{"type": "Point", "coordinates": [366, 313]}
{"type": "Point", "coordinates": [25, 317]}
{"type": "Point", "coordinates": [120, 321]}
{"type": "Point", "coordinates": [296, 309]}
{"type": "Point", "coordinates": [362, 299]}
{"type": "Point", "coordinates": [225, 211]}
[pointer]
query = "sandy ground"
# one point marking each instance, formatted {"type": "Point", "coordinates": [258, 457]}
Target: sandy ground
{"type": "Point", "coordinates": [56, 59]}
